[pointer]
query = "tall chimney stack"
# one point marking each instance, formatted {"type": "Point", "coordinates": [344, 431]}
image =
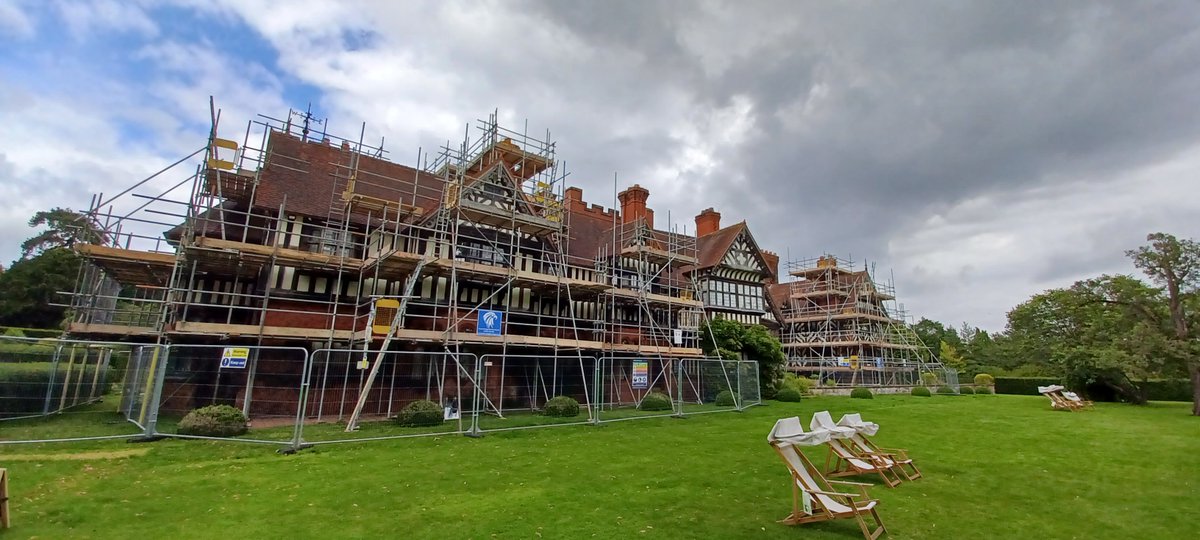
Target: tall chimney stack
{"type": "Point", "coordinates": [633, 203]}
{"type": "Point", "coordinates": [708, 222]}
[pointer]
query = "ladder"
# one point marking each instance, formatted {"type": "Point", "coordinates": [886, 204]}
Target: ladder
{"type": "Point", "coordinates": [410, 285]}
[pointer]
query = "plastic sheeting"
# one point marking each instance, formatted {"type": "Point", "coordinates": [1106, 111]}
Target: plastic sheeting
{"type": "Point", "coordinates": [790, 431]}
{"type": "Point", "coordinates": [855, 422]}
{"type": "Point", "coordinates": [824, 421]}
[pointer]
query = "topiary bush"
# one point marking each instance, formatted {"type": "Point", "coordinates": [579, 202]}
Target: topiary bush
{"type": "Point", "coordinates": [983, 390]}
{"type": "Point", "coordinates": [966, 390]}
{"type": "Point", "coordinates": [929, 379]}
{"type": "Point", "coordinates": [562, 407]}
{"type": "Point", "coordinates": [789, 394]}
{"type": "Point", "coordinates": [921, 391]}
{"type": "Point", "coordinates": [656, 401]}
{"type": "Point", "coordinates": [945, 390]}
{"type": "Point", "coordinates": [860, 392]}
{"type": "Point", "coordinates": [213, 421]}
{"type": "Point", "coordinates": [983, 379]}
{"type": "Point", "coordinates": [421, 413]}
{"type": "Point", "coordinates": [725, 398]}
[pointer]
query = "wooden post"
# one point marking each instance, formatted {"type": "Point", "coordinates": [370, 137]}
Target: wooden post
{"type": "Point", "coordinates": [3, 498]}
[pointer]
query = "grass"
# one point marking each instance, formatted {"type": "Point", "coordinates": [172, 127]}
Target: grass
{"type": "Point", "coordinates": [995, 467]}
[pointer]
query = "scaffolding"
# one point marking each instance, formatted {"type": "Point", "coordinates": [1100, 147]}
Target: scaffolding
{"type": "Point", "coordinates": [294, 237]}
{"type": "Point", "coordinates": [844, 327]}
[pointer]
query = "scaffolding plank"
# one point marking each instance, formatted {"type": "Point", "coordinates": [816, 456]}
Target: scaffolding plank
{"type": "Point", "coordinates": [109, 330]}
{"type": "Point", "coordinates": [130, 266]}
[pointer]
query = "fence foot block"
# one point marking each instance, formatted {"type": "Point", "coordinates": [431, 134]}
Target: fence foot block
{"type": "Point", "coordinates": [146, 438]}
{"type": "Point", "coordinates": [289, 450]}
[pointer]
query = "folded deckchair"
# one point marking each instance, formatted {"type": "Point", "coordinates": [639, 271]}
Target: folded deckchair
{"type": "Point", "coordinates": [1059, 401]}
{"type": "Point", "coordinates": [843, 461]}
{"type": "Point", "coordinates": [1072, 396]}
{"type": "Point", "coordinates": [813, 496]}
{"type": "Point", "coordinates": [861, 441]}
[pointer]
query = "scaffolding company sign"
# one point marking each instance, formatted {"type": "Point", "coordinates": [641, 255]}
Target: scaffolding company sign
{"type": "Point", "coordinates": [234, 357]}
{"type": "Point", "coordinates": [641, 374]}
{"type": "Point", "coordinates": [489, 323]}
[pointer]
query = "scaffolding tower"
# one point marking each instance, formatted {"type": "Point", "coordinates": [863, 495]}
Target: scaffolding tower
{"type": "Point", "coordinates": [844, 327]}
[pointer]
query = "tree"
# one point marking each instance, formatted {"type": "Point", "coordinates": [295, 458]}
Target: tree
{"type": "Point", "coordinates": [29, 286]}
{"type": "Point", "coordinates": [64, 229]}
{"type": "Point", "coordinates": [949, 356]}
{"type": "Point", "coordinates": [734, 341]}
{"type": "Point", "coordinates": [933, 334]}
{"type": "Point", "coordinates": [1175, 265]}
{"type": "Point", "coordinates": [1107, 331]}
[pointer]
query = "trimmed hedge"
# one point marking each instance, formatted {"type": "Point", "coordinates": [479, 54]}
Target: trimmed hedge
{"type": "Point", "coordinates": [788, 394]}
{"type": "Point", "coordinates": [656, 401]}
{"type": "Point", "coordinates": [23, 386]}
{"type": "Point", "coordinates": [945, 390]}
{"type": "Point", "coordinates": [213, 421]}
{"type": "Point", "coordinates": [929, 379]}
{"type": "Point", "coordinates": [1170, 390]}
{"type": "Point", "coordinates": [921, 391]}
{"type": "Point", "coordinates": [860, 392]}
{"type": "Point", "coordinates": [983, 390]}
{"type": "Point", "coordinates": [725, 398]}
{"type": "Point", "coordinates": [966, 390]}
{"type": "Point", "coordinates": [421, 413]}
{"type": "Point", "coordinates": [1023, 386]}
{"type": "Point", "coordinates": [562, 407]}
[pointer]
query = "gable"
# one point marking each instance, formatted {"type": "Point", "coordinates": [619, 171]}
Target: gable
{"type": "Point", "coordinates": [743, 254]}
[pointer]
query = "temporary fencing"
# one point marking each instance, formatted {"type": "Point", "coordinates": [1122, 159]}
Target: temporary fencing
{"type": "Point", "coordinates": [293, 399]}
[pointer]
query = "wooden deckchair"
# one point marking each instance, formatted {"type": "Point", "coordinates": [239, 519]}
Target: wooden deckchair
{"type": "Point", "coordinates": [1058, 401]}
{"type": "Point", "coordinates": [843, 461]}
{"type": "Point", "coordinates": [813, 496]}
{"type": "Point", "coordinates": [1083, 403]}
{"type": "Point", "coordinates": [862, 443]}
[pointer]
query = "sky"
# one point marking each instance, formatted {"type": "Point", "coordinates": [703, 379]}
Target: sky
{"type": "Point", "coordinates": [975, 152]}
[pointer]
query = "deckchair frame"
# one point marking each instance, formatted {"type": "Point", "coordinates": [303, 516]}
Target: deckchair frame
{"type": "Point", "coordinates": [840, 461]}
{"type": "Point", "coordinates": [1059, 401]}
{"type": "Point", "coordinates": [859, 504]}
{"type": "Point", "coordinates": [898, 456]}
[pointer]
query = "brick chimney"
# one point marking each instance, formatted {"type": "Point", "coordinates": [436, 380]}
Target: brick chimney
{"type": "Point", "coordinates": [708, 222]}
{"type": "Point", "coordinates": [574, 197]}
{"type": "Point", "coordinates": [633, 203]}
{"type": "Point", "coordinates": [772, 260]}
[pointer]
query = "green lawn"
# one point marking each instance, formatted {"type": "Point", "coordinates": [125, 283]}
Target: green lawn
{"type": "Point", "coordinates": [995, 467]}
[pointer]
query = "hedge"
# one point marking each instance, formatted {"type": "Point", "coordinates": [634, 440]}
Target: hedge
{"type": "Point", "coordinates": [562, 407]}
{"type": "Point", "coordinates": [420, 413]}
{"type": "Point", "coordinates": [23, 386]}
{"type": "Point", "coordinates": [1023, 386]}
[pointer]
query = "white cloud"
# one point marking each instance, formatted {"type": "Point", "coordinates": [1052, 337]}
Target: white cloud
{"type": "Point", "coordinates": [15, 23]}
{"type": "Point", "coordinates": [85, 18]}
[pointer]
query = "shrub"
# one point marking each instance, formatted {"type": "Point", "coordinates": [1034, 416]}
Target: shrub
{"type": "Point", "coordinates": [788, 394]}
{"type": "Point", "coordinates": [983, 390]}
{"type": "Point", "coordinates": [656, 401]}
{"type": "Point", "coordinates": [801, 384]}
{"type": "Point", "coordinates": [966, 390]}
{"type": "Point", "coordinates": [830, 383]}
{"type": "Point", "coordinates": [861, 393]}
{"type": "Point", "coordinates": [562, 407]}
{"type": "Point", "coordinates": [725, 398]}
{"type": "Point", "coordinates": [420, 413]}
{"type": "Point", "coordinates": [983, 379]}
{"type": "Point", "coordinates": [929, 379]}
{"type": "Point", "coordinates": [945, 390]}
{"type": "Point", "coordinates": [213, 421]}
{"type": "Point", "coordinates": [1024, 386]}
{"type": "Point", "coordinates": [921, 391]}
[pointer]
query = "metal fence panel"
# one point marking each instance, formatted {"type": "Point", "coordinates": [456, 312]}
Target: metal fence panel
{"type": "Point", "coordinates": [265, 383]}
{"type": "Point", "coordinates": [56, 389]}
{"type": "Point", "coordinates": [515, 389]}
{"type": "Point", "coordinates": [336, 380]}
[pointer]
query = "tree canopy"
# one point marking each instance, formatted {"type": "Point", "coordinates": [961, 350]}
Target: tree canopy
{"type": "Point", "coordinates": [734, 341]}
{"type": "Point", "coordinates": [63, 229]}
